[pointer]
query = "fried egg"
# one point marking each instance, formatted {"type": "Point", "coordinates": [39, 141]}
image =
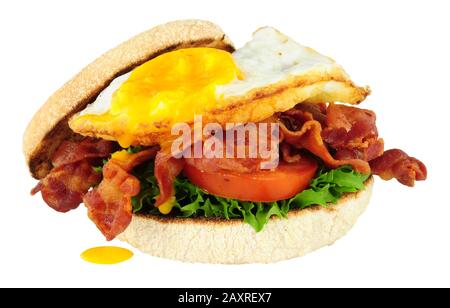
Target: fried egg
{"type": "Point", "coordinates": [271, 73]}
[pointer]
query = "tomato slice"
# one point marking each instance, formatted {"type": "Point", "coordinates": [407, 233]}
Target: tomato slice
{"type": "Point", "coordinates": [284, 182]}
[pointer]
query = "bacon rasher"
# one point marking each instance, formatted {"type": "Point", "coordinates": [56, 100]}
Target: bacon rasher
{"type": "Point", "coordinates": [352, 132]}
{"type": "Point", "coordinates": [167, 168]}
{"type": "Point", "coordinates": [308, 137]}
{"type": "Point", "coordinates": [109, 204]}
{"type": "Point", "coordinates": [397, 164]}
{"type": "Point", "coordinates": [72, 176]}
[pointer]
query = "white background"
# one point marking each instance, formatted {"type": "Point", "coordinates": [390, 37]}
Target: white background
{"type": "Point", "coordinates": [400, 49]}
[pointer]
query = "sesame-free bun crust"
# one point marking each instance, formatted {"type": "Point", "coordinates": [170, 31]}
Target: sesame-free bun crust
{"type": "Point", "coordinates": [49, 127]}
{"type": "Point", "coordinates": [235, 242]}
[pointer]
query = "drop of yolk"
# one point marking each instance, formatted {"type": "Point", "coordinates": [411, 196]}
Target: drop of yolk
{"type": "Point", "coordinates": [168, 89]}
{"type": "Point", "coordinates": [106, 255]}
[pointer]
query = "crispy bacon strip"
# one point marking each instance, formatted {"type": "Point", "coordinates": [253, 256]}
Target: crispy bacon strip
{"type": "Point", "coordinates": [72, 176]}
{"type": "Point", "coordinates": [287, 153]}
{"type": "Point", "coordinates": [64, 187]}
{"type": "Point", "coordinates": [352, 132]}
{"type": "Point", "coordinates": [71, 151]}
{"type": "Point", "coordinates": [231, 159]}
{"type": "Point", "coordinates": [372, 151]}
{"type": "Point", "coordinates": [316, 111]}
{"type": "Point", "coordinates": [309, 138]}
{"type": "Point", "coordinates": [166, 170]}
{"type": "Point", "coordinates": [241, 165]}
{"type": "Point", "coordinates": [397, 164]}
{"type": "Point", "coordinates": [109, 205]}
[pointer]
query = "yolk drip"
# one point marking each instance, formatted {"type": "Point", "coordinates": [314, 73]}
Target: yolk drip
{"type": "Point", "coordinates": [106, 255]}
{"type": "Point", "coordinates": [168, 89]}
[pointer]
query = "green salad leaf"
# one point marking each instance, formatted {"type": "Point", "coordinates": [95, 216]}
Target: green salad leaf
{"type": "Point", "coordinates": [134, 149]}
{"type": "Point", "coordinates": [191, 201]}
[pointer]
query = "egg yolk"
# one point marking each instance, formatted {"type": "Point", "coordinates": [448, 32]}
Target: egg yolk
{"type": "Point", "coordinates": [106, 255]}
{"type": "Point", "coordinates": [168, 89]}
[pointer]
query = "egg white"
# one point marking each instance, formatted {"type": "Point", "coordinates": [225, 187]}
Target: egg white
{"type": "Point", "coordinates": [271, 57]}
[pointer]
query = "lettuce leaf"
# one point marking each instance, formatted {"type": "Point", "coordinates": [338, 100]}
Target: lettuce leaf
{"type": "Point", "coordinates": [327, 187]}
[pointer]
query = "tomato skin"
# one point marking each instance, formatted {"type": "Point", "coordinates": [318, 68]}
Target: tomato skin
{"type": "Point", "coordinates": [284, 182]}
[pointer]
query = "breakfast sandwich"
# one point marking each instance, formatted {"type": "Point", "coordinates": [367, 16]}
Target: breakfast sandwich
{"type": "Point", "coordinates": [190, 149]}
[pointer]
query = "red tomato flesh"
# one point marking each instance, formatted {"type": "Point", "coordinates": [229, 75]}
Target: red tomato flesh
{"type": "Point", "coordinates": [284, 182]}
